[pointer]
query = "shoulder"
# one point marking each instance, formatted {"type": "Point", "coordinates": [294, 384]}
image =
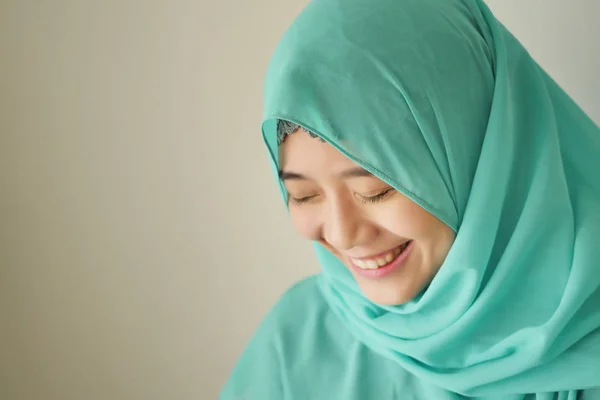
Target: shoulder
{"type": "Point", "coordinates": [290, 328]}
{"type": "Point", "coordinates": [302, 340]}
{"type": "Point", "coordinates": [300, 315]}
{"type": "Point", "coordinates": [303, 297]}
{"type": "Point", "coordinates": [307, 288]}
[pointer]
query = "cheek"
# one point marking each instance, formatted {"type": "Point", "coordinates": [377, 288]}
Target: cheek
{"type": "Point", "coordinates": [403, 220]}
{"type": "Point", "coordinates": [434, 235]}
{"type": "Point", "coordinates": [406, 218]}
{"type": "Point", "coordinates": [306, 224]}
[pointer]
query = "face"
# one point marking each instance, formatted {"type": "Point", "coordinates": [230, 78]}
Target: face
{"type": "Point", "coordinates": [392, 246]}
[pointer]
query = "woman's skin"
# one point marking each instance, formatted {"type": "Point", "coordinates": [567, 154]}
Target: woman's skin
{"type": "Point", "coordinates": [353, 214]}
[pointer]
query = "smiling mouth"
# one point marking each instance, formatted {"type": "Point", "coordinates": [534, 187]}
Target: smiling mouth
{"type": "Point", "coordinates": [381, 260]}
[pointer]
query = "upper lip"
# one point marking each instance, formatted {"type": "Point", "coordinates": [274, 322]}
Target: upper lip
{"type": "Point", "coordinates": [379, 254]}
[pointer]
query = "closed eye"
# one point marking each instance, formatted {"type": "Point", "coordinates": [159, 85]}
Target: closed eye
{"type": "Point", "coordinates": [301, 200]}
{"type": "Point", "coordinates": [364, 199]}
{"type": "Point", "coordinates": [378, 197]}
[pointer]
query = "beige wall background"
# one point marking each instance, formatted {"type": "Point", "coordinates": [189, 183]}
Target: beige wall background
{"type": "Point", "coordinates": [142, 238]}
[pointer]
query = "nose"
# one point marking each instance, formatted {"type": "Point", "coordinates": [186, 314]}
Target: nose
{"type": "Point", "coordinates": [345, 227]}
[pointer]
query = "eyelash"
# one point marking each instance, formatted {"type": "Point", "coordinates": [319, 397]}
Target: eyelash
{"type": "Point", "coordinates": [378, 197]}
{"type": "Point", "coordinates": [365, 200]}
{"type": "Point", "coordinates": [302, 200]}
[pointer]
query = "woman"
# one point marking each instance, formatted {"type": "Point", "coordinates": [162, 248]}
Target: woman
{"type": "Point", "coordinates": [453, 203]}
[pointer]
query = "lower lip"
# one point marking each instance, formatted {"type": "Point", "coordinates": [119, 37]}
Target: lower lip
{"type": "Point", "coordinates": [386, 269]}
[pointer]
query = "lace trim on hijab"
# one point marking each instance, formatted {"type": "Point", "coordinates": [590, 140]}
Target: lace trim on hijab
{"type": "Point", "coordinates": [285, 128]}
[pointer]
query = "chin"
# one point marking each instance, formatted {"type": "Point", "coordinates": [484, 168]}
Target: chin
{"type": "Point", "coordinates": [388, 296]}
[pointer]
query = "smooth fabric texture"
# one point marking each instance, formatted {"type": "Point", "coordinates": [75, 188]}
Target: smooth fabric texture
{"type": "Point", "coordinates": [303, 351]}
{"type": "Point", "coordinates": [438, 99]}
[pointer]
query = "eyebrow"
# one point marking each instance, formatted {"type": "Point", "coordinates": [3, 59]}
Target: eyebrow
{"type": "Point", "coordinates": [349, 173]}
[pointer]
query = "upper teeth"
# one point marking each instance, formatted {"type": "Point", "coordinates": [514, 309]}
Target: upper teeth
{"type": "Point", "coordinates": [379, 261]}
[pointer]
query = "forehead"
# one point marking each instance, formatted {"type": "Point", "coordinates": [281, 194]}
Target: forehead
{"type": "Point", "coordinates": [302, 153]}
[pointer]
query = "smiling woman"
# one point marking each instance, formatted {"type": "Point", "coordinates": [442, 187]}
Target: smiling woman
{"type": "Point", "coordinates": [453, 205]}
{"type": "Point", "coordinates": [392, 246]}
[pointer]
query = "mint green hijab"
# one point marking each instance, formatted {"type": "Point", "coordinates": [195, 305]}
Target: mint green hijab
{"type": "Point", "coordinates": [438, 99]}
